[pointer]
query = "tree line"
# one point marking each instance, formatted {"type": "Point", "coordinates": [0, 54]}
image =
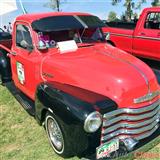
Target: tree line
{"type": "Point", "coordinates": [130, 5]}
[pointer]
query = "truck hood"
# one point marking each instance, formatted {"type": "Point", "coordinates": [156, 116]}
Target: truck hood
{"type": "Point", "coordinates": [101, 69]}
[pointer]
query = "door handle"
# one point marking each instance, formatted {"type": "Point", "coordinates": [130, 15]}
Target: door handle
{"type": "Point", "coordinates": [13, 53]}
{"type": "Point", "coordinates": [158, 34]}
{"type": "Point", "coordinates": [142, 34]}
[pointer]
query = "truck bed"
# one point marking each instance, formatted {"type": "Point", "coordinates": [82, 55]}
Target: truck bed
{"type": "Point", "coordinates": [125, 29]}
{"type": "Point", "coordinates": [122, 25]}
{"type": "Point", "coordinates": [6, 39]}
{"type": "Point", "coordinates": [140, 38]}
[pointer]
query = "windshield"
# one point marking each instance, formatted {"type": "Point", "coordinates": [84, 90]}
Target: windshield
{"type": "Point", "coordinates": [59, 23]}
{"type": "Point", "coordinates": [81, 28]}
{"type": "Point", "coordinates": [89, 35]}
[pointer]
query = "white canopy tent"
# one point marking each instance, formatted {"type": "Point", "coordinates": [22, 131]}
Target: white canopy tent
{"type": "Point", "coordinates": [7, 6]}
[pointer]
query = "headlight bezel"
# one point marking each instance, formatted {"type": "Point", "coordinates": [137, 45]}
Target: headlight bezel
{"type": "Point", "coordinates": [94, 116]}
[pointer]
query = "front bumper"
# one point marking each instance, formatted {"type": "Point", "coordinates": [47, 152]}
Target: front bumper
{"type": "Point", "coordinates": [141, 148]}
{"type": "Point", "coordinates": [141, 125]}
{"type": "Point", "coordinates": [144, 146]}
{"type": "Point", "coordinates": [131, 123]}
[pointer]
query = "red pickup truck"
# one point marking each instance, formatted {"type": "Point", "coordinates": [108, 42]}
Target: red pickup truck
{"type": "Point", "coordinates": [141, 39]}
{"type": "Point", "coordinates": [89, 95]}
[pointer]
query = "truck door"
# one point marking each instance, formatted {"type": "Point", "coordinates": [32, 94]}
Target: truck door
{"type": "Point", "coordinates": [23, 60]}
{"type": "Point", "coordinates": [146, 42]}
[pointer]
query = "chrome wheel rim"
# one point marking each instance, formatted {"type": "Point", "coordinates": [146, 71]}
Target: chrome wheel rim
{"type": "Point", "coordinates": [55, 134]}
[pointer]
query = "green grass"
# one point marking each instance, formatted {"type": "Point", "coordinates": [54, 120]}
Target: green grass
{"type": "Point", "coordinates": [21, 138]}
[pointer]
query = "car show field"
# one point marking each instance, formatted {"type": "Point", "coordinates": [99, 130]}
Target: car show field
{"type": "Point", "coordinates": [79, 85]}
{"type": "Point", "coordinates": [24, 139]}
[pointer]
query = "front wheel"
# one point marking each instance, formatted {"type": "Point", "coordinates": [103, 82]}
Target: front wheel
{"type": "Point", "coordinates": [57, 135]}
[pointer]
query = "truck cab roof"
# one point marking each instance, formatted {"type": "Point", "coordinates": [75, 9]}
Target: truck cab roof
{"type": "Point", "coordinates": [55, 21]}
{"type": "Point", "coordinates": [29, 18]}
{"type": "Point", "coordinates": [152, 9]}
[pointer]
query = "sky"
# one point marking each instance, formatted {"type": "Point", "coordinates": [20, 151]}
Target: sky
{"type": "Point", "coordinates": [100, 8]}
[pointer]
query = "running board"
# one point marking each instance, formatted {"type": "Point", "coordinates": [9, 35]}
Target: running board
{"type": "Point", "coordinates": [26, 102]}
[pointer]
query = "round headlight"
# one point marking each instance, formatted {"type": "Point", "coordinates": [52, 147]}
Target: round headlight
{"type": "Point", "coordinates": [93, 122]}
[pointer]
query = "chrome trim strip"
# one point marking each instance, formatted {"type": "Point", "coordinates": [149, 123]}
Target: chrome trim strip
{"type": "Point", "coordinates": [133, 118]}
{"type": "Point", "coordinates": [113, 127]}
{"type": "Point", "coordinates": [130, 36]}
{"type": "Point", "coordinates": [134, 66]}
{"type": "Point", "coordinates": [149, 38]}
{"type": "Point", "coordinates": [110, 122]}
{"type": "Point", "coordinates": [133, 111]}
{"type": "Point", "coordinates": [135, 131]}
{"type": "Point", "coordinates": [50, 110]}
{"type": "Point", "coordinates": [123, 35]}
{"type": "Point", "coordinates": [147, 97]}
{"type": "Point", "coordinates": [143, 75]}
{"type": "Point", "coordinates": [130, 126]}
{"type": "Point", "coordinates": [147, 134]}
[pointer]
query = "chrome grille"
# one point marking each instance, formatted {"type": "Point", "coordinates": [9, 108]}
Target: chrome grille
{"type": "Point", "coordinates": [137, 123]}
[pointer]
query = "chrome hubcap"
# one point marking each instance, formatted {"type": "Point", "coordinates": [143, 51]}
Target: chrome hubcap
{"type": "Point", "coordinates": [55, 134]}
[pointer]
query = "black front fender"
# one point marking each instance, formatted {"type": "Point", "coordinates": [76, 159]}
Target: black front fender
{"type": "Point", "coordinates": [73, 112]}
{"type": "Point", "coordinates": [68, 108]}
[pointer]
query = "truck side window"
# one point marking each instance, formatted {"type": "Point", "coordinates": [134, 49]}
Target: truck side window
{"type": "Point", "coordinates": [153, 21]}
{"type": "Point", "coordinates": [22, 33]}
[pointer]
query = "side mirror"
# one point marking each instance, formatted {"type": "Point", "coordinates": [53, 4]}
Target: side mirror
{"type": "Point", "coordinates": [42, 45]}
{"type": "Point", "coordinates": [24, 44]}
{"type": "Point", "coordinates": [107, 36]}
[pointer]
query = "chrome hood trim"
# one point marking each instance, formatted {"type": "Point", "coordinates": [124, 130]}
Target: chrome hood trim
{"type": "Point", "coordinates": [146, 97]}
{"type": "Point", "coordinates": [131, 64]}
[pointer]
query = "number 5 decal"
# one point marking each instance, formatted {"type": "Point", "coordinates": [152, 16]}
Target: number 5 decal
{"type": "Point", "coordinates": [20, 73]}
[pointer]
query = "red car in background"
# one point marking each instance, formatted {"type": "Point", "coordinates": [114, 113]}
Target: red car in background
{"type": "Point", "coordinates": [141, 39]}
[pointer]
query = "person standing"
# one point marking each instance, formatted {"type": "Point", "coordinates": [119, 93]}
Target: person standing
{"type": "Point", "coordinates": [5, 28]}
{"type": "Point", "coordinates": [9, 27]}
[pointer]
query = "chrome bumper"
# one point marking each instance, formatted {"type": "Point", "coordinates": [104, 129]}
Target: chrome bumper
{"type": "Point", "coordinates": [134, 123]}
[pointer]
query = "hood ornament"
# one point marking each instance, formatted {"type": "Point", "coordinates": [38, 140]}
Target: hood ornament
{"type": "Point", "coordinates": [147, 97]}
